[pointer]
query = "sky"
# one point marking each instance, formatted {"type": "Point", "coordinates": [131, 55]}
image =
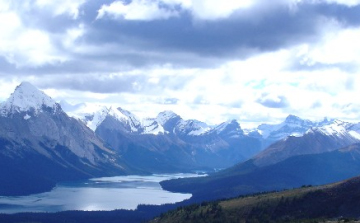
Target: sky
{"type": "Point", "coordinates": [255, 61]}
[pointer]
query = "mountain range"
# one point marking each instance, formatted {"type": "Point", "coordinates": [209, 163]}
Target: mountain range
{"type": "Point", "coordinates": [172, 142]}
{"type": "Point", "coordinates": [41, 144]}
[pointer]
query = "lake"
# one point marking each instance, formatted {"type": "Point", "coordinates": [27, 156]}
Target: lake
{"type": "Point", "coordinates": [106, 193]}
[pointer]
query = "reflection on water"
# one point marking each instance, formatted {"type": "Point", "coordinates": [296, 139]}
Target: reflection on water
{"type": "Point", "coordinates": [107, 193]}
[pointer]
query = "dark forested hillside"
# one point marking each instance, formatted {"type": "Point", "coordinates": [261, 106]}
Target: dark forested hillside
{"type": "Point", "coordinates": [247, 178]}
{"type": "Point", "coordinates": [306, 204]}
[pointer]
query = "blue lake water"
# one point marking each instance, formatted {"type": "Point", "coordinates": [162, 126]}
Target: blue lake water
{"type": "Point", "coordinates": [107, 193]}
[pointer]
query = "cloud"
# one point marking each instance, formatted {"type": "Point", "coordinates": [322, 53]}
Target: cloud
{"type": "Point", "coordinates": [212, 10]}
{"type": "Point", "coordinates": [127, 82]}
{"type": "Point", "coordinates": [249, 60]}
{"type": "Point", "coordinates": [25, 40]}
{"type": "Point", "coordinates": [339, 46]}
{"type": "Point", "coordinates": [203, 9]}
{"type": "Point", "coordinates": [25, 46]}
{"type": "Point", "coordinates": [59, 7]}
{"type": "Point", "coordinates": [137, 10]}
{"type": "Point", "coordinates": [349, 3]}
{"type": "Point", "coordinates": [273, 101]}
{"type": "Point", "coordinates": [164, 9]}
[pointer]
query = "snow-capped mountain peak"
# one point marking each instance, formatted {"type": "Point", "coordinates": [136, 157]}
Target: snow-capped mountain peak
{"type": "Point", "coordinates": [93, 120]}
{"type": "Point", "coordinates": [96, 118]}
{"type": "Point", "coordinates": [294, 120]}
{"type": "Point", "coordinates": [192, 127]}
{"type": "Point", "coordinates": [291, 126]}
{"type": "Point", "coordinates": [336, 127]}
{"type": "Point", "coordinates": [151, 126]}
{"type": "Point", "coordinates": [165, 116]}
{"type": "Point", "coordinates": [26, 97]}
{"type": "Point", "coordinates": [230, 128]}
{"type": "Point", "coordinates": [129, 118]}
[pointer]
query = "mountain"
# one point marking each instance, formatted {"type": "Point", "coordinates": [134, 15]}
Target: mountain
{"type": "Point", "coordinates": [313, 158]}
{"type": "Point", "coordinates": [337, 202]}
{"type": "Point", "coordinates": [291, 126]}
{"type": "Point", "coordinates": [329, 137]}
{"type": "Point", "coordinates": [168, 143]}
{"type": "Point", "coordinates": [247, 177]}
{"type": "Point", "coordinates": [40, 145]}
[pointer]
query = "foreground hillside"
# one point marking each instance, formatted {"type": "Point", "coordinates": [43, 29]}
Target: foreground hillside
{"type": "Point", "coordinates": [306, 204]}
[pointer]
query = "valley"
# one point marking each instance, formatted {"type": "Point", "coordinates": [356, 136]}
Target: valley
{"type": "Point", "coordinates": [133, 111]}
{"type": "Point", "coordinates": [97, 194]}
{"type": "Point", "coordinates": [47, 154]}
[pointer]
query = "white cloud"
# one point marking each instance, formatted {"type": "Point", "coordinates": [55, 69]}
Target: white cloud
{"type": "Point", "coordinates": [163, 9]}
{"type": "Point", "coordinates": [200, 9]}
{"type": "Point", "coordinates": [213, 9]}
{"type": "Point", "coordinates": [58, 7]}
{"type": "Point", "coordinates": [340, 46]}
{"type": "Point", "coordinates": [72, 35]}
{"type": "Point", "coordinates": [349, 3]}
{"type": "Point", "coordinates": [23, 46]}
{"type": "Point", "coordinates": [136, 10]}
{"type": "Point", "coordinates": [239, 89]}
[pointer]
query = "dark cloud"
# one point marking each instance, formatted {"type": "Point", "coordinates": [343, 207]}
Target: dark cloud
{"type": "Point", "coordinates": [316, 104]}
{"type": "Point", "coordinates": [180, 41]}
{"type": "Point", "coordinates": [349, 84]}
{"type": "Point", "coordinates": [70, 107]}
{"type": "Point", "coordinates": [169, 101]}
{"type": "Point", "coordinates": [237, 36]}
{"type": "Point", "coordinates": [131, 83]}
{"type": "Point", "coordinates": [295, 65]}
{"type": "Point", "coordinates": [200, 100]}
{"type": "Point", "coordinates": [270, 102]}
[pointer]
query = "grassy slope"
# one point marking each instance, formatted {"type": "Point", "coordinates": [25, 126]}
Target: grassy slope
{"type": "Point", "coordinates": [304, 204]}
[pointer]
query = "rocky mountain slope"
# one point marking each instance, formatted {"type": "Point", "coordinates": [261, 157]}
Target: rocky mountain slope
{"type": "Point", "coordinates": [332, 136]}
{"type": "Point", "coordinates": [291, 126]}
{"type": "Point", "coordinates": [171, 143]}
{"type": "Point", "coordinates": [40, 145]}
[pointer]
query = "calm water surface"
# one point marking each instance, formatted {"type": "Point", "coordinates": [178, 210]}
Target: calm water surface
{"type": "Point", "coordinates": [107, 193]}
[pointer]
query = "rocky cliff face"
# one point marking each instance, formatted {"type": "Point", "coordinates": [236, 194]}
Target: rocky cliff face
{"type": "Point", "coordinates": [40, 140]}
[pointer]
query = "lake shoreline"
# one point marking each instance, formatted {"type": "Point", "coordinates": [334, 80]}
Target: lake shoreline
{"type": "Point", "coordinates": [142, 189]}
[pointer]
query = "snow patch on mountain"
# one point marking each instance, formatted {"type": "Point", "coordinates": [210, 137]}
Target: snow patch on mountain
{"type": "Point", "coordinates": [165, 116]}
{"type": "Point", "coordinates": [95, 119]}
{"type": "Point", "coordinates": [354, 134]}
{"type": "Point", "coordinates": [230, 128]}
{"type": "Point", "coordinates": [26, 97]}
{"type": "Point", "coordinates": [151, 126]}
{"type": "Point", "coordinates": [130, 118]}
{"type": "Point", "coordinates": [292, 126]}
{"type": "Point", "coordinates": [192, 127]}
{"type": "Point", "coordinates": [336, 128]}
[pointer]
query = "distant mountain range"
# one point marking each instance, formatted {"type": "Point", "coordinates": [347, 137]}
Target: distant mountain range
{"type": "Point", "coordinates": [168, 142]}
{"type": "Point", "coordinates": [39, 142]}
{"type": "Point", "coordinates": [181, 145]}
